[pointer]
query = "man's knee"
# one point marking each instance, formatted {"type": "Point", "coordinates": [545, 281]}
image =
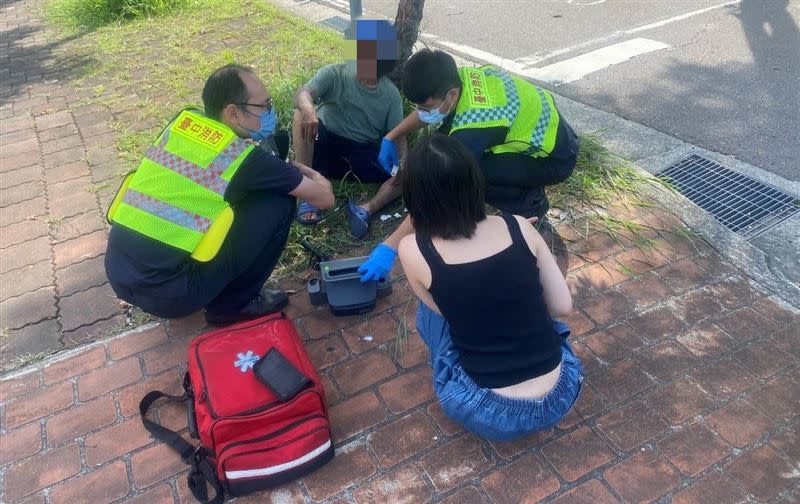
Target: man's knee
{"type": "Point", "coordinates": [262, 216]}
{"type": "Point", "coordinates": [286, 211]}
{"type": "Point", "coordinates": [564, 171]}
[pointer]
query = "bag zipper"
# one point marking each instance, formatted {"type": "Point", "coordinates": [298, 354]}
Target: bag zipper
{"type": "Point", "coordinates": [222, 463]}
{"type": "Point", "coordinates": [212, 429]}
{"type": "Point", "coordinates": [270, 435]}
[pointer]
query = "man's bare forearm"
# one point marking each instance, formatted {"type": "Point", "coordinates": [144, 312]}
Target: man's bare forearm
{"type": "Point", "coordinates": [407, 126]}
{"type": "Point", "coordinates": [304, 99]}
{"type": "Point", "coordinates": [402, 148]}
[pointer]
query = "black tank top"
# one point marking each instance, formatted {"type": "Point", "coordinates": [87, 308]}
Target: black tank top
{"type": "Point", "coordinates": [498, 317]}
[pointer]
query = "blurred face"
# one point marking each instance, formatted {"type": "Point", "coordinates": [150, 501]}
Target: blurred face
{"type": "Point", "coordinates": [370, 44]}
{"type": "Point", "coordinates": [367, 62]}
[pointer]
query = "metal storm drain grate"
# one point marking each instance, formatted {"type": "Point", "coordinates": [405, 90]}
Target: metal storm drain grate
{"type": "Point", "coordinates": [743, 205]}
{"type": "Point", "coordinates": [336, 22]}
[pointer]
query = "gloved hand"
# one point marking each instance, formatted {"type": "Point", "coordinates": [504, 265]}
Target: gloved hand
{"type": "Point", "coordinates": [388, 155]}
{"type": "Point", "coordinates": [379, 263]}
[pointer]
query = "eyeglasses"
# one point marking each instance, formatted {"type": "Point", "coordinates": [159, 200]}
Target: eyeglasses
{"type": "Point", "coordinates": [431, 109]}
{"type": "Point", "coordinates": [267, 105]}
{"type": "Point", "coordinates": [428, 109]}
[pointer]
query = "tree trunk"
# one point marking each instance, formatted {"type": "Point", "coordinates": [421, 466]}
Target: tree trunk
{"type": "Point", "coordinates": [409, 15]}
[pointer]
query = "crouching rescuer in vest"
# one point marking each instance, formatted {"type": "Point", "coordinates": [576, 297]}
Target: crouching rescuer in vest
{"type": "Point", "coordinates": [203, 220]}
{"type": "Point", "coordinates": [510, 126]}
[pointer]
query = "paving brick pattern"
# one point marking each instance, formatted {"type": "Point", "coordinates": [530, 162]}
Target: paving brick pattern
{"type": "Point", "coordinates": [677, 406]}
{"type": "Point", "coordinates": [692, 390]}
{"type": "Point", "coordinates": [53, 292]}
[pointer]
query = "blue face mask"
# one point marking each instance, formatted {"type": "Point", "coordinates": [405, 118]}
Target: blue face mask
{"type": "Point", "coordinates": [268, 120]}
{"type": "Point", "coordinates": [433, 116]}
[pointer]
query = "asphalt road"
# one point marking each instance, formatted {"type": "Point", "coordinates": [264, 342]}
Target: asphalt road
{"type": "Point", "coordinates": [726, 78]}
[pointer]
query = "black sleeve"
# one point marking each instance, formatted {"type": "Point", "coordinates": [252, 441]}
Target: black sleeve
{"type": "Point", "coordinates": [477, 140]}
{"type": "Point", "coordinates": [261, 171]}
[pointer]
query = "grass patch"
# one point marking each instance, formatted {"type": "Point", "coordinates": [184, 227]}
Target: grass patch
{"type": "Point", "coordinates": [401, 336]}
{"type": "Point", "coordinates": [622, 229]}
{"type": "Point", "coordinates": [23, 360]}
{"type": "Point", "coordinates": [332, 236]}
{"type": "Point", "coordinates": [688, 235]}
{"type": "Point", "coordinates": [52, 223]}
{"type": "Point", "coordinates": [601, 181]}
{"type": "Point", "coordinates": [144, 71]}
{"type": "Point", "coordinates": [91, 14]}
{"type": "Point", "coordinates": [96, 188]}
{"type": "Point", "coordinates": [134, 317]}
{"type": "Point", "coordinates": [602, 187]}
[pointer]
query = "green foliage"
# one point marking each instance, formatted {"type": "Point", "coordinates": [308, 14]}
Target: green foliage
{"type": "Point", "coordinates": [600, 179]}
{"type": "Point", "coordinates": [91, 14]}
{"type": "Point", "coordinates": [146, 70]}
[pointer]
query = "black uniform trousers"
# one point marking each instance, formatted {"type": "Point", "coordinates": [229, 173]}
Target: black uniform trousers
{"type": "Point", "coordinates": [236, 274]}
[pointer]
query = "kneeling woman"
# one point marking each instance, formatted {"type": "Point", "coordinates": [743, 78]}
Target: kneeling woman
{"type": "Point", "coordinates": [488, 289]}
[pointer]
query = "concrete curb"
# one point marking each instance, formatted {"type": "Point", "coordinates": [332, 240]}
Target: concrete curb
{"type": "Point", "coordinates": [71, 352]}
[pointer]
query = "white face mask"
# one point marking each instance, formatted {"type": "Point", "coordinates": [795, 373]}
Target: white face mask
{"type": "Point", "coordinates": [436, 115]}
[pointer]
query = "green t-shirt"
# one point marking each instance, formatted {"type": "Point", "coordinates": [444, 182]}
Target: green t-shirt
{"type": "Point", "coordinates": [352, 110]}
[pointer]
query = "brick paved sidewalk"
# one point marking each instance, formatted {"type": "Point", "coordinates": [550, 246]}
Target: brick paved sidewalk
{"type": "Point", "coordinates": [58, 169]}
{"type": "Point", "coordinates": [691, 395]}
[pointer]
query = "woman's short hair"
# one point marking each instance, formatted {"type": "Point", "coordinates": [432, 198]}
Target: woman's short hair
{"type": "Point", "coordinates": [443, 188]}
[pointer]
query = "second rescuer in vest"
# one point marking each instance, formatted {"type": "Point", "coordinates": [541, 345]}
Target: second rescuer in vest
{"type": "Point", "coordinates": [510, 126]}
{"type": "Point", "coordinates": [203, 220]}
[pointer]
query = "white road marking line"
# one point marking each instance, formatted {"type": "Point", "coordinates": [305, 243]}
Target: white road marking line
{"type": "Point", "coordinates": [341, 4]}
{"type": "Point", "coordinates": [474, 53]}
{"type": "Point", "coordinates": [536, 58]}
{"type": "Point", "coordinates": [563, 71]}
{"type": "Point", "coordinates": [680, 17]}
{"type": "Point", "coordinates": [585, 2]}
{"type": "Point", "coordinates": [579, 66]}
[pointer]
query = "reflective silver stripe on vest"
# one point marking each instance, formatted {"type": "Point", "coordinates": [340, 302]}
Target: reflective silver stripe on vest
{"type": "Point", "coordinates": [509, 110]}
{"type": "Point", "coordinates": [211, 177]}
{"type": "Point", "coordinates": [537, 137]}
{"type": "Point", "coordinates": [225, 158]}
{"type": "Point", "coordinates": [166, 211]}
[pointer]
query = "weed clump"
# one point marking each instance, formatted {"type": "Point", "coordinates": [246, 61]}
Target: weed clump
{"type": "Point", "coordinates": [92, 14]}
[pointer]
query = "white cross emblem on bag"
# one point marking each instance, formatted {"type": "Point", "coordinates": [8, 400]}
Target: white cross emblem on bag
{"type": "Point", "coordinates": [246, 361]}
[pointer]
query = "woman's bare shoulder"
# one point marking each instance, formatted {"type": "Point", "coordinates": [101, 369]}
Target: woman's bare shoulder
{"type": "Point", "coordinates": [529, 232]}
{"type": "Point", "coordinates": [408, 250]}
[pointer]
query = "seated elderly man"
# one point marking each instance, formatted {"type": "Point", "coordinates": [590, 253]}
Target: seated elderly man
{"type": "Point", "coordinates": [342, 114]}
{"type": "Point", "coordinates": [203, 220]}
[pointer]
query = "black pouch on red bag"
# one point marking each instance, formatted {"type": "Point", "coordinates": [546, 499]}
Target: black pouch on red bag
{"type": "Point", "coordinates": [281, 376]}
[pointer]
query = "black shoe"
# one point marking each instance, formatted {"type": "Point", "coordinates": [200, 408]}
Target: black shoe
{"type": "Point", "coordinates": [269, 301]}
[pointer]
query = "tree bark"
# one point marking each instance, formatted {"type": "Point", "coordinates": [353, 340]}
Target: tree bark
{"type": "Point", "coordinates": [409, 15]}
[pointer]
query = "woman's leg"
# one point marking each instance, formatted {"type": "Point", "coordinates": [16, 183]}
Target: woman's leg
{"type": "Point", "coordinates": [435, 332]}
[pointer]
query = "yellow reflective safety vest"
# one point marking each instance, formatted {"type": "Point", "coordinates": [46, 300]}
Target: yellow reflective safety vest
{"type": "Point", "coordinates": [490, 97]}
{"type": "Point", "coordinates": [176, 196]}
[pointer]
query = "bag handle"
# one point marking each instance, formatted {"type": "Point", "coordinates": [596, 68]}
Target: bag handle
{"type": "Point", "coordinates": [202, 471]}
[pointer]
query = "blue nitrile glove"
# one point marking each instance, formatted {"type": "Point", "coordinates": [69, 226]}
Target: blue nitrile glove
{"type": "Point", "coordinates": [379, 264]}
{"type": "Point", "coordinates": [388, 155]}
